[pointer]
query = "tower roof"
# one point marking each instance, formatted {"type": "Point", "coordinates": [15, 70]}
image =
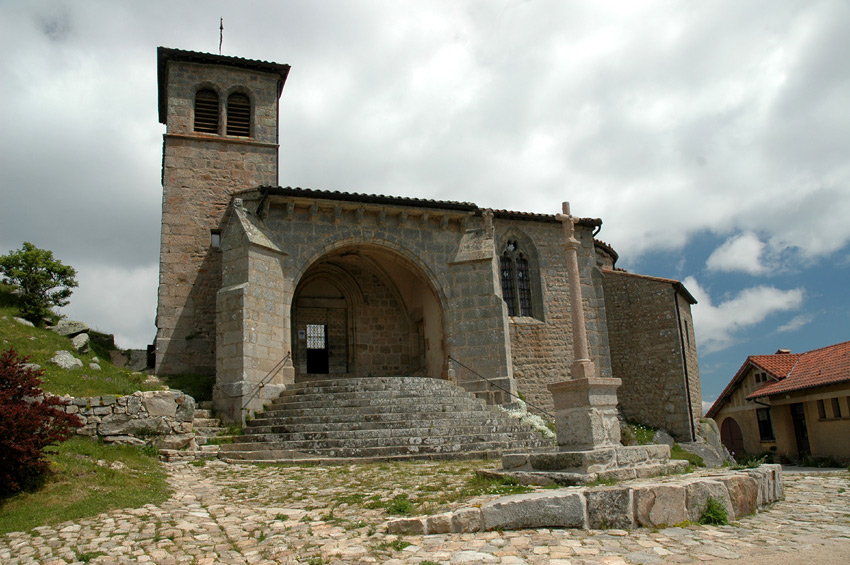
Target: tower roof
{"type": "Point", "coordinates": [166, 54]}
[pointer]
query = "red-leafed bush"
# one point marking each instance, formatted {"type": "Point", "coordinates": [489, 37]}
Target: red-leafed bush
{"type": "Point", "coordinates": [29, 422]}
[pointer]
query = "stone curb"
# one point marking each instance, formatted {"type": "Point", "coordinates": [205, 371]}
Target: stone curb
{"type": "Point", "coordinates": [650, 505]}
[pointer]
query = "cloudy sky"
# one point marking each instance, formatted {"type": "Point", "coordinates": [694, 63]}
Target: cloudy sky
{"type": "Point", "coordinates": [712, 138]}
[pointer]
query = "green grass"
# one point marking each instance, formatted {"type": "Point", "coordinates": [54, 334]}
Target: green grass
{"type": "Point", "coordinates": [676, 452]}
{"type": "Point", "coordinates": [714, 513]}
{"type": "Point", "coordinates": [78, 487]}
{"type": "Point", "coordinates": [41, 345]}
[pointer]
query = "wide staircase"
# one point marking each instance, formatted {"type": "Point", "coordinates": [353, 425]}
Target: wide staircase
{"type": "Point", "coordinates": [379, 418]}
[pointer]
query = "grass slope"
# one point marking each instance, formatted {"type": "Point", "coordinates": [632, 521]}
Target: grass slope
{"type": "Point", "coordinates": [87, 478]}
{"type": "Point", "coordinates": [40, 345]}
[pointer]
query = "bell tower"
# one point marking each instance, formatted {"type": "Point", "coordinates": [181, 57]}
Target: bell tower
{"type": "Point", "coordinates": [221, 118]}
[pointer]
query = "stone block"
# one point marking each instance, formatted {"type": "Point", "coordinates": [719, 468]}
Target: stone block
{"type": "Point", "coordinates": [466, 520]}
{"type": "Point", "coordinates": [160, 403]}
{"type": "Point", "coordinates": [439, 523]}
{"type": "Point", "coordinates": [536, 510]}
{"type": "Point", "coordinates": [699, 491]}
{"type": "Point", "coordinates": [610, 508]}
{"type": "Point", "coordinates": [412, 526]}
{"type": "Point", "coordinates": [658, 505]}
{"type": "Point", "coordinates": [743, 493]}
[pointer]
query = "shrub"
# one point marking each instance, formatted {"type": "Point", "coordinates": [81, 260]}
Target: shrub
{"type": "Point", "coordinates": [714, 513]}
{"type": "Point", "coordinates": [29, 422]}
{"type": "Point", "coordinates": [43, 281]}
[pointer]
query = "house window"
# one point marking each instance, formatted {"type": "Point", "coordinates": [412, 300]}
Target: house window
{"type": "Point", "coordinates": [821, 410]}
{"type": "Point", "coordinates": [765, 424]}
{"type": "Point", "coordinates": [206, 111]}
{"type": "Point", "coordinates": [516, 280]}
{"type": "Point", "coordinates": [238, 115]}
{"type": "Point", "coordinates": [836, 408]}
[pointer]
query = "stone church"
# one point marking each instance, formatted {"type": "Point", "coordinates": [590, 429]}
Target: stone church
{"type": "Point", "coordinates": [267, 286]}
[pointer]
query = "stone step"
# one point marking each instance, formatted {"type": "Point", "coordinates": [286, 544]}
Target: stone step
{"type": "Point", "coordinates": [359, 394]}
{"type": "Point", "coordinates": [391, 445]}
{"type": "Point", "coordinates": [203, 413]}
{"type": "Point", "coordinates": [206, 422]}
{"type": "Point", "coordinates": [453, 450]}
{"type": "Point", "coordinates": [387, 417]}
{"type": "Point", "coordinates": [387, 425]}
{"type": "Point", "coordinates": [407, 434]}
{"type": "Point", "coordinates": [422, 407]}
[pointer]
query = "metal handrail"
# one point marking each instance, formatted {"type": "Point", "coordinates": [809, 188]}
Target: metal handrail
{"type": "Point", "coordinates": [491, 383]}
{"type": "Point", "coordinates": [269, 375]}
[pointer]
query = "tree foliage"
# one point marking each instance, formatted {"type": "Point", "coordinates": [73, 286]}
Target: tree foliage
{"type": "Point", "coordinates": [43, 281]}
{"type": "Point", "coordinates": [29, 422]}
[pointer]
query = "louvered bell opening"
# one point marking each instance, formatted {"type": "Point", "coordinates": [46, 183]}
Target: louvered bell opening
{"type": "Point", "coordinates": [238, 115]}
{"type": "Point", "coordinates": [206, 111]}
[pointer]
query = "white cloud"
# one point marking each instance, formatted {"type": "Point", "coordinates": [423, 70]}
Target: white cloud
{"type": "Point", "coordinates": [742, 252]}
{"type": "Point", "coordinates": [117, 300]}
{"type": "Point", "coordinates": [717, 326]}
{"type": "Point", "coordinates": [796, 323]}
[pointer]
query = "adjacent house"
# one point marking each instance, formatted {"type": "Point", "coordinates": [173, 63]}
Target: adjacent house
{"type": "Point", "coordinates": [797, 403]}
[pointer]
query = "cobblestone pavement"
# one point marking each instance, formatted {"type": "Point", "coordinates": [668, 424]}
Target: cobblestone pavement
{"type": "Point", "coordinates": [223, 513]}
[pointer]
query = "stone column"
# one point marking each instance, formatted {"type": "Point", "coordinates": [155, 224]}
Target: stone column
{"type": "Point", "coordinates": [585, 405]}
{"type": "Point", "coordinates": [582, 366]}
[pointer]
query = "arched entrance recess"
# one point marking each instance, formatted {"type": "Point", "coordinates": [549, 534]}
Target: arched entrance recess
{"type": "Point", "coordinates": [366, 310]}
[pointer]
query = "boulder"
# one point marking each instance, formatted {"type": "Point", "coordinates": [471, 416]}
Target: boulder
{"type": "Point", "coordinates": [66, 361]}
{"type": "Point", "coordinates": [24, 322]}
{"type": "Point", "coordinates": [662, 437]}
{"type": "Point", "coordinates": [81, 342]}
{"type": "Point", "coordinates": [709, 455]}
{"type": "Point", "coordinates": [70, 328]}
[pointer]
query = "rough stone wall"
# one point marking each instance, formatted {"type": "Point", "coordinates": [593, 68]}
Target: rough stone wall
{"type": "Point", "coordinates": [129, 419]}
{"type": "Point", "coordinates": [646, 352]}
{"type": "Point", "coordinates": [200, 172]}
{"type": "Point", "coordinates": [691, 362]}
{"type": "Point", "coordinates": [382, 331]}
{"type": "Point", "coordinates": [542, 347]}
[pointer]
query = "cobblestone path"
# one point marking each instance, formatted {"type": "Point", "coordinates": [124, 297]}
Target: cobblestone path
{"type": "Point", "coordinates": [222, 513]}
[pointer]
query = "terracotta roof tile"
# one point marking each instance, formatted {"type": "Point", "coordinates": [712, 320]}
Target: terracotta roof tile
{"type": "Point", "coordinates": [820, 367]}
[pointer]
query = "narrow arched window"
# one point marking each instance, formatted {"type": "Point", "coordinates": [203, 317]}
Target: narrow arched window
{"type": "Point", "coordinates": [238, 115]}
{"type": "Point", "coordinates": [206, 111]}
{"type": "Point", "coordinates": [516, 280]}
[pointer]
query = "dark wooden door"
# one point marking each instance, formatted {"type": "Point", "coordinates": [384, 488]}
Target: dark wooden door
{"type": "Point", "coordinates": [731, 436]}
{"type": "Point", "coordinates": [801, 432]}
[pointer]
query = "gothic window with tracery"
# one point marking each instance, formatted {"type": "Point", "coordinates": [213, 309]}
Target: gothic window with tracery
{"type": "Point", "coordinates": [515, 276]}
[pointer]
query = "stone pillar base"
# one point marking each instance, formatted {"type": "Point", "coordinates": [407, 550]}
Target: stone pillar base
{"type": "Point", "coordinates": [586, 413]}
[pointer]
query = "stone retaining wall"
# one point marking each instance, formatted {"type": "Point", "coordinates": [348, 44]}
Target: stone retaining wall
{"type": "Point", "coordinates": [650, 504]}
{"type": "Point", "coordinates": [134, 418]}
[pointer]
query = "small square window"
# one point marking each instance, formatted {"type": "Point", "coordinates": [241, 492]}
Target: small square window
{"type": "Point", "coordinates": [215, 239]}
